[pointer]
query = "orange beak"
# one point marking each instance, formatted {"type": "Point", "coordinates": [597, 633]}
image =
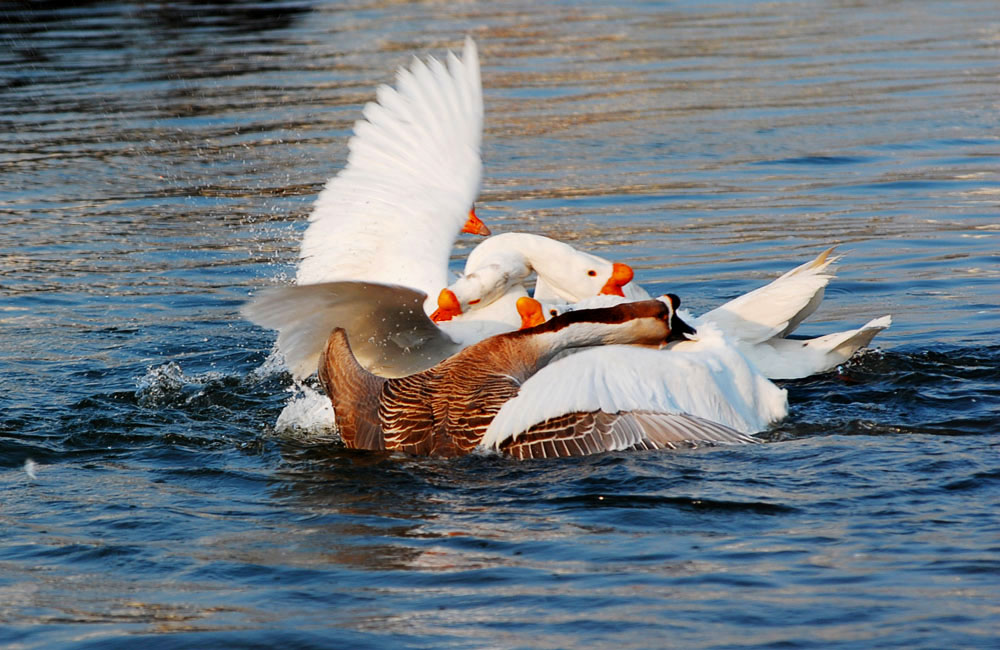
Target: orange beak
{"type": "Point", "coordinates": [621, 274]}
{"type": "Point", "coordinates": [530, 311]}
{"type": "Point", "coordinates": [474, 226]}
{"type": "Point", "coordinates": [448, 306]}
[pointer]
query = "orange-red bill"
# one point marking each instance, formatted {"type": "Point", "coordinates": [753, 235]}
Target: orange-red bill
{"type": "Point", "coordinates": [621, 274]}
{"type": "Point", "coordinates": [474, 226]}
{"type": "Point", "coordinates": [448, 306]}
{"type": "Point", "coordinates": [530, 311]}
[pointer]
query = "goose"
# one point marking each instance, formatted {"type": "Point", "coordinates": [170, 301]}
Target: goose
{"type": "Point", "coordinates": [449, 410]}
{"type": "Point", "coordinates": [758, 322]}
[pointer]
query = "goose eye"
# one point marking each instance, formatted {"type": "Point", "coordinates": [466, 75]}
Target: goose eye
{"type": "Point", "coordinates": [553, 312]}
{"type": "Point", "coordinates": [591, 273]}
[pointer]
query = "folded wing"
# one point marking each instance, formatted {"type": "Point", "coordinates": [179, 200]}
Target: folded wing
{"type": "Point", "coordinates": [777, 308]}
{"type": "Point", "coordinates": [615, 397]}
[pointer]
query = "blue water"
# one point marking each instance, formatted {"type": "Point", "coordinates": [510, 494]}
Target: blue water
{"type": "Point", "coordinates": [158, 162]}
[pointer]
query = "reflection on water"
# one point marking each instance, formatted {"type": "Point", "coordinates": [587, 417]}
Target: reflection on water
{"type": "Point", "coordinates": [157, 163]}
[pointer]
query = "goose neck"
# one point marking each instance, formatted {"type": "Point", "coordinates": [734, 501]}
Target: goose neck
{"type": "Point", "coordinates": [547, 344]}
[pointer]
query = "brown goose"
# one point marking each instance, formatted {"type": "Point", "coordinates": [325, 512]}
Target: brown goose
{"type": "Point", "coordinates": [445, 410]}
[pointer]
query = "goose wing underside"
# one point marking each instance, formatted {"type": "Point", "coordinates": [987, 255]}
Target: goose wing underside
{"type": "Point", "coordinates": [584, 433]}
{"type": "Point", "coordinates": [386, 326]}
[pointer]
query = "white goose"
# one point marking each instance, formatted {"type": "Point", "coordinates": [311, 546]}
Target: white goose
{"type": "Point", "coordinates": [757, 322]}
{"type": "Point", "coordinates": [448, 409]}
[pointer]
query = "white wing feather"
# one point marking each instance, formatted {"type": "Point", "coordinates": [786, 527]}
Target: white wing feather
{"type": "Point", "coordinates": [796, 358]}
{"type": "Point", "coordinates": [386, 325]}
{"type": "Point", "coordinates": [710, 380]}
{"type": "Point", "coordinates": [777, 308]}
{"type": "Point", "coordinates": [413, 172]}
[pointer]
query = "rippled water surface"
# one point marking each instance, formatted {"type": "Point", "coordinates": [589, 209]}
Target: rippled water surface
{"type": "Point", "coordinates": [157, 164]}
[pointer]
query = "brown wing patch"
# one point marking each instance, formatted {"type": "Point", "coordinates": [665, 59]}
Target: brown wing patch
{"type": "Point", "coordinates": [467, 419]}
{"type": "Point", "coordinates": [353, 392]}
{"type": "Point", "coordinates": [406, 415]}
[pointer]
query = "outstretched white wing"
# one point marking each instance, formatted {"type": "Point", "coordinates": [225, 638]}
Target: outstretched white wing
{"type": "Point", "coordinates": [386, 325]}
{"type": "Point", "coordinates": [796, 358]}
{"type": "Point", "coordinates": [775, 309]}
{"type": "Point", "coordinates": [413, 172]}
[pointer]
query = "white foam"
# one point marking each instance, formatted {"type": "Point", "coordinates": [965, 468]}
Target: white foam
{"type": "Point", "coordinates": [273, 365]}
{"type": "Point", "coordinates": [308, 411]}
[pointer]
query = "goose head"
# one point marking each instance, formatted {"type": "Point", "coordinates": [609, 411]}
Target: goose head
{"type": "Point", "coordinates": [679, 329]}
{"type": "Point", "coordinates": [647, 322]}
{"type": "Point", "coordinates": [571, 275]}
{"type": "Point", "coordinates": [479, 289]}
{"type": "Point", "coordinates": [565, 274]}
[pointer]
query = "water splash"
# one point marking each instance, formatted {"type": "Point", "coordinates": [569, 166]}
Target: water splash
{"type": "Point", "coordinates": [168, 385]}
{"type": "Point", "coordinates": [307, 412]}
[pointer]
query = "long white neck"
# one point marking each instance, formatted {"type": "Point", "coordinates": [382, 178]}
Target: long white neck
{"type": "Point", "coordinates": [478, 290]}
{"type": "Point", "coordinates": [562, 270]}
{"type": "Point", "coordinates": [547, 344]}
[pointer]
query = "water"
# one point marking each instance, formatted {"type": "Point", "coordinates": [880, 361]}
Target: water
{"type": "Point", "coordinates": [158, 163]}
